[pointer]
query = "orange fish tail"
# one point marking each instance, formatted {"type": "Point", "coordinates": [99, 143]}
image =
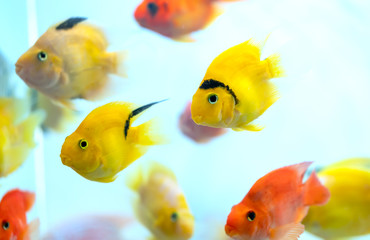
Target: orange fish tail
{"type": "Point", "coordinates": [314, 192]}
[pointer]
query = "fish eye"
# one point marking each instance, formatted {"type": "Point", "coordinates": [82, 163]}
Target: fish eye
{"type": "Point", "coordinates": [174, 216]}
{"type": "Point", "coordinates": [5, 225]}
{"type": "Point", "coordinates": [212, 98]}
{"type": "Point", "coordinates": [83, 144]}
{"type": "Point", "coordinates": [152, 8]}
{"type": "Point", "coordinates": [42, 56]}
{"type": "Point", "coordinates": [251, 216]}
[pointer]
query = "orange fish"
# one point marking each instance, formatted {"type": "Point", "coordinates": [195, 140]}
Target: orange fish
{"type": "Point", "coordinates": [177, 18]}
{"type": "Point", "coordinates": [276, 204]}
{"type": "Point", "coordinates": [13, 208]}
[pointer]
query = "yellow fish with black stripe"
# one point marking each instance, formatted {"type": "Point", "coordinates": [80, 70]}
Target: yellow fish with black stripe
{"type": "Point", "coordinates": [105, 143]}
{"type": "Point", "coordinates": [236, 88]}
{"type": "Point", "coordinates": [70, 60]}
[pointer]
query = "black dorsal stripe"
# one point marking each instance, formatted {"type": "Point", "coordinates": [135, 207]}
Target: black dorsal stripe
{"type": "Point", "coordinates": [210, 84]}
{"type": "Point", "coordinates": [136, 112]}
{"type": "Point", "coordinates": [70, 23]}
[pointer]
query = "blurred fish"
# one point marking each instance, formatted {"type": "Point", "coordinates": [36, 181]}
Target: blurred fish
{"type": "Point", "coordinates": [57, 117]}
{"type": "Point", "coordinates": [161, 205]}
{"type": "Point", "coordinates": [177, 18]}
{"type": "Point", "coordinates": [347, 214]}
{"type": "Point", "coordinates": [198, 133]}
{"type": "Point", "coordinates": [276, 204]}
{"type": "Point", "coordinates": [105, 142]}
{"type": "Point", "coordinates": [69, 61]}
{"type": "Point", "coordinates": [17, 127]}
{"type": "Point", "coordinates": [236, 89]}
{"type": "Point", "coordinates": [90, 228]}
{"type": "Point", "coordinates": [13, 208]}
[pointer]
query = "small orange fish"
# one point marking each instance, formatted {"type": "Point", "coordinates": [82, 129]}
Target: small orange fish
{"type": "Point", "coordinates": [176, 18]}
{"type": "Point", "coordinates": [198, 133]}
{"type": "Point", "coordinates": [13, 208]}
{"type": "Point", "coordinates": [276, 204]}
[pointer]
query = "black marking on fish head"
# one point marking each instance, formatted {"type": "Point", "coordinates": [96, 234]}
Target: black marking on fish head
{"type": "Point", "coordinates": [210, 83]}
{"type": "Point", "coordinates": [70, 23]}
{"type": "Point", "coordinates": [136, 112]}
{"type": "Point", "coordinates": [152, 8]}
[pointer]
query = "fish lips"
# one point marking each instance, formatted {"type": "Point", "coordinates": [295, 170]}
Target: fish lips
{"type": "Point", "coordinates": [230, 231]}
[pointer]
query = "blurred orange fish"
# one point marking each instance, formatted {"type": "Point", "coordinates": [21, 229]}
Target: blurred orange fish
{"type": "Point", "coordinates": [276, 204]}
{"type": "Point", "coordinates": [70, 61]}
{"type": "Point", "coordinates": [177, 18]}
{"type": "Point", "coordinates": [13, 208]}
{"type": "Point", "coordinates": [198, 133]}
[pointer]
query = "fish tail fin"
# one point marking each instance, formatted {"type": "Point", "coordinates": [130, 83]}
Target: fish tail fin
{"type": "Point", "coordinates": [314, 192]}
{"type": "Point", "coordinates": [146, 134]}
{"type": "Point", "coordinates": [273, 67]}
{"type": "Point", "coordinates": [30, 124]}
{"type": "Point", "coordinates": [116, 62]}
{"type": "Point", "coordinates": [135, 179]}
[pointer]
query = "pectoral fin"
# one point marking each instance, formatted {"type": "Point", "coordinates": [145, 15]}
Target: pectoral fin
{"type": "Point", "coordinates": [287, 232]}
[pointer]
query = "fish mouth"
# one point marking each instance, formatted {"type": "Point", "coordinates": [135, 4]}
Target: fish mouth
{"type": "Point", "coordinates": [230, 231]}
{"type": "Point", "coordinates": [197, 119]}
{"type": "Point", "coordinates": [18, 68]}
{"type": "Point", "coordinates": [66, 160]}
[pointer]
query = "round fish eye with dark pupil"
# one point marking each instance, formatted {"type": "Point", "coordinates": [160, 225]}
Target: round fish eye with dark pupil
{"type": "Point", "coordinates": [152, 8]}
{"type": "Point", "coordinates": [5, 225]}
{"type": "Point", "coordinates": [174, 217]}
{"type": "Point", "coordinates": [251, 216]}
{"type": "Point", "coordinates": [212, 99]}
{"type": "Point", "coordinates": [83, 144]}
{"type": "Point", "coordinates": [42, 56]}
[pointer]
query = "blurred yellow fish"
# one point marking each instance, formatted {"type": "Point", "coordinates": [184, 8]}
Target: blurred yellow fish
{"type": "Point", "coordinates": [57, 116]}
{"type": "Point", "coordinates": [17, 127]}
{"type": "Point", "coordinates": [347, 214]}
{"type": "Point", "coordinates": [236, 88]}
{"type": "Point", "coordinates": [105, 142]}
{"type": "Point", "coordinates": [69, 61]}
{"type": "Point", "coordinates": [161, 205]}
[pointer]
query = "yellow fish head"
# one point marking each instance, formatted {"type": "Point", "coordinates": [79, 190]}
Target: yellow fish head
{"type": "Point", "coordinates": [81, 154]}
{"type": "Point", "coordinates": [177, 223]}
{"type": "Point", "coordinates": [213, 106]}
{"type": "Point", "coordinates": [40, 68]}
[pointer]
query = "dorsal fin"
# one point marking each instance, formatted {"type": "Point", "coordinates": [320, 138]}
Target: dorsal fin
{"type": "Point", "coordinates": [70, 23]}
{"type": "Point", "coordinates": [136, 112]}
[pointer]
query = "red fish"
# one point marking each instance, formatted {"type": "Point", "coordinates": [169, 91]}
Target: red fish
{"type": "Point", "coordinates": [13, 208]}
{"type": "Point", "coordinates": [200, 134]}
{"type": "Point", "coordinates": [176, 18]}
{"type": "Point", "coordinates": [276, 204]}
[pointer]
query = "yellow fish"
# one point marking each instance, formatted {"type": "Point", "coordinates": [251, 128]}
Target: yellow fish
{"type": "Point", "coordinates": [347, 214]}
{"type": "Point", "coordinates": [105, 142]}
{"type": "Point", "coordinates": [69, 61]}
{"type": "Point", "coordinates": [236, 88]}
{"type": "Point", "coordinates": [17, 127]}
{"type": "Point", "coordinates": [161, 205]}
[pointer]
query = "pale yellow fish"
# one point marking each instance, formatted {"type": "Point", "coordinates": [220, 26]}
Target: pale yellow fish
{"type": "Point", "coordinates": [236, 88]}
{"type": "Point", "coordinates": [347, 214]}
{"type": "Point", "coordinates": [70, 61]}
{"type": "Point", "coordinates": [17, 128]}
{"type": "Point", "coordinates": [105, 143]}
{"type": "Point", "coordinates": [160, 204]}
